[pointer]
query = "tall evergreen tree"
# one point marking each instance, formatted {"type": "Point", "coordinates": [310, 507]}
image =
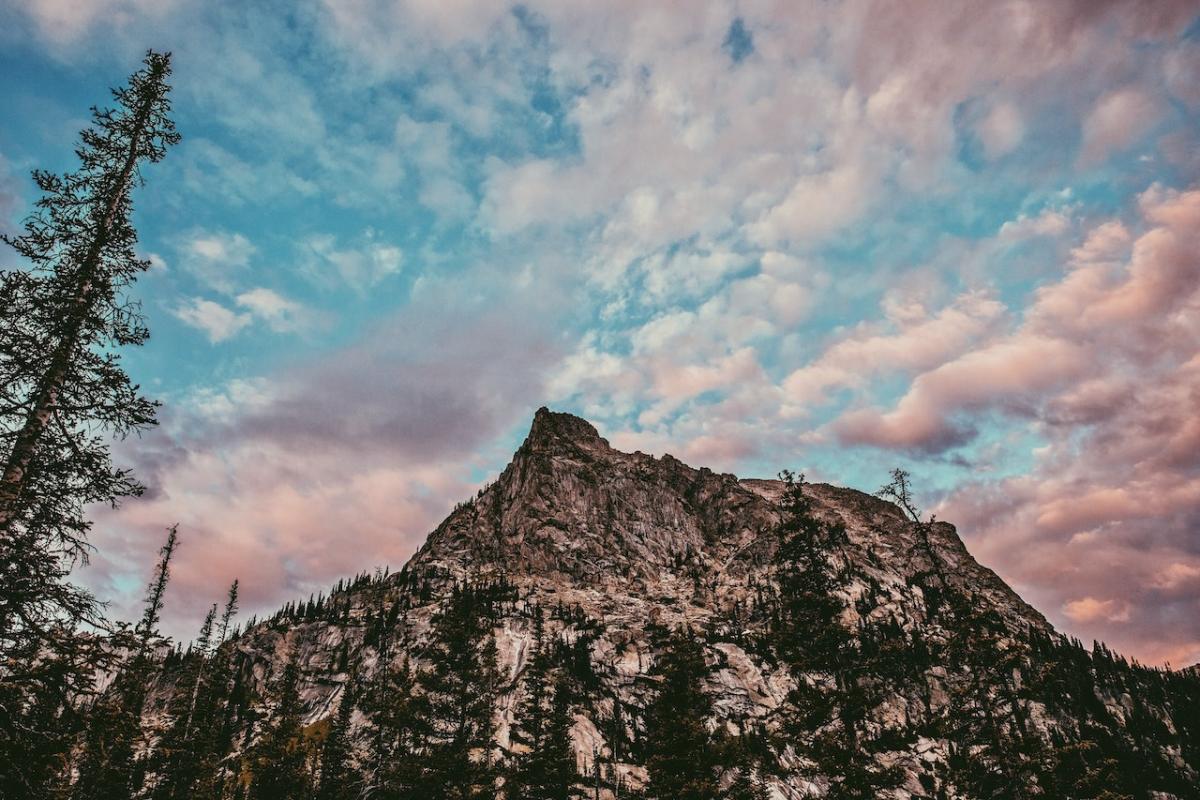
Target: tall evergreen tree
{"type": "Point", "coordinates": [278, 761]}
{"type": "Point", "coordinates": [832, 695]}
{"type": "Point", "coordinates": [113, 732]}
{"type": "Point", "coordinates": [61, 389]}
{"type": "Point", "coordinates": [543, 763]}
{"type": "Point", "coordinates": [178, 756]}
{"type": "Point", "coordinates": [212, 718]}
{"type": "Point", "coordinates": [399, 731]}
{"type": "Point", "coordinates": [684, 759]}
{"type": "Point", "coordinates": [460, 682]}
{"type": "Point", "coordinates": [337, 770]}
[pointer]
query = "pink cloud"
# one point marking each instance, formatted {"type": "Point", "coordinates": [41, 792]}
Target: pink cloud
{"type": "Point", "coordinates": [1089, 609]}
{"type": "Point", "coordinates": [1117, 120]}
{"type": "Point", "coordinates": [1004, 374]}
{"type": "Point", "coordinates": [922, 341]}
{"type": "Point", "coordinates": [1103, 527]}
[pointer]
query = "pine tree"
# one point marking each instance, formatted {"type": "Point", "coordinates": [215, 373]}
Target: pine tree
{"type": "Point", "coordinates": [213, 719]}
{"type": "Point", "coordinates": [543, 762]}
{"type": "Point", "coordinates": [399, 731]}
{"type": "Point", "coordinates": [178, 756]}
{"type": "Point", "coordinates": [832, 694]}
{"type": "Point", "coordinates": [336, 770]}
{"type": "Point", "coordinates": [685, 760]}
{"type": "Point", "coordinates": [63, 388]}
{"type": "Point", "coordinates": [460, 685]}
{"type": "Point", "coordinates": [278, 760]}
{"type": "Point", "coordinates": [113, 731]}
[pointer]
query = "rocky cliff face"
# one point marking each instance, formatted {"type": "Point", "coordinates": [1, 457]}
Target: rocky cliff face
{"type": "Point", "coordinates": [611, 549]}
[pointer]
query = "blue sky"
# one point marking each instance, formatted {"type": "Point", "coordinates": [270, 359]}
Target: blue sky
{"type": "Point", "coordinates": [836, 238]}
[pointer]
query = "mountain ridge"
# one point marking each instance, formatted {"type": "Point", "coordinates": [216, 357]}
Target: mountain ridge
{"type": "Point", "coordinates": [587, 563]}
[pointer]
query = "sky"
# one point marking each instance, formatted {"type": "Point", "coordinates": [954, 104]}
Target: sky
{"type": "Point", "coordinates": [958, 238]}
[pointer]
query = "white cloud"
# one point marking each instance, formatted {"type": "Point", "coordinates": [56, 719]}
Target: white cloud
{"type": "Point", "coordinates": [278, 312]}
{"type": "Point", "coordinates": [359, 268]}
{"type": "Point", "coordinates": [216, 257]}
{"type": "Point", "coordinates": [1051, 222]}
{"type": "Point", "coordinates": [216, 321]}
{"type": "Point", "coordinates": [263, 305]}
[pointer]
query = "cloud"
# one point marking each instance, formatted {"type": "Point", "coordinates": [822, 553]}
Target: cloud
{"type": "Point", "coordinates": [216, 258]}
{"type": "Point", "coordinates": [359, 268]}
{"type": "Point", "coordinates": [921, 342]}
{"type": "Point", "coordinates": [1117, 120]}
{"type": "Point", "coordinates": [1180, 67]}
{"type": "Point", "coordinates": [1001, 130]}
{"type": "Point", "coordinates": [1102, 525]}
{"type": "Point", "coordinates": [216, 321]}
{"type": "Point", "coordinates": [1008, 374]}
{"type": "Point", "coordinates": [1050, 222]}
{"type": "Point", "coordinates": [279, 313]}
{"type": "Point", "coordinates": [1089, 609]}
{"type": "Point", "coordinates": [63, 22]}
{"type": "Point", "coordinates": [219, 323]}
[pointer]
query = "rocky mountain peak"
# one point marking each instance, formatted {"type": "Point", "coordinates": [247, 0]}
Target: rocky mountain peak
{"type": "Point", "coordinates": [554, 431]}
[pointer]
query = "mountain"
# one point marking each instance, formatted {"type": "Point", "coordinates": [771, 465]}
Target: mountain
{"type": "Point", "coordinates": [690, 634]}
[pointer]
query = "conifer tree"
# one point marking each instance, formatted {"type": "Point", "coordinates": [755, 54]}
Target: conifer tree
{"type": "Point", "coordinates": [212, 719]}
{"type": "Point", "coordinates": [460, 685]}
{"type": "Point", "coordinates": [278, 769]}
{"type": "Point", "coordinates": [336, 769]}
{"type": "Point", "coordinates": [399, 730]}
{"type": "Point", "coordinates": [685, 760]}
{"type": "Point", "coordinates": [831, 694]}
{"type": "Point", "coordinates": [543, 764]}
{"type": "Point", "coordinates": [61, 389]}
{"type": "Point", "coordinates": [113, 731]}
{"type": "Point", "coordinates": [178, 756]}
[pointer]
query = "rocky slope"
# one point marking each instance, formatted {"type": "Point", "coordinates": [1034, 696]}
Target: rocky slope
{"type": "Point", "coordinates": [615, 548]}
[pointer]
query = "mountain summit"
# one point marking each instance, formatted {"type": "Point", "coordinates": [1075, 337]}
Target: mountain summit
{"type": "Point", "coordinates": [606, 624]}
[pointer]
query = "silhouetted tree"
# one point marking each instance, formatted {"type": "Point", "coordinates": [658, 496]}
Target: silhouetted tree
{"type": "Point", "coordinates": [460, 682]}
{"type": "Point", "coordinates": [833, 693]}
{"type": "Point", "coordinates": [278, 768]}
{"type": "Point", "coordinates": [543, 763]}
{"type": "Point", "coordinates": [685, 760]}
{"type": "Point", "coordinates": [62, 392]}
{"type": "Point", "coordinates": [337, 771]}
{"type": "Point", "coordinates": [106, 767]}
